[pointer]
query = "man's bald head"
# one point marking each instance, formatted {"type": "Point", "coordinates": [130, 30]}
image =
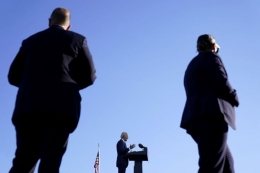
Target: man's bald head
{"type": "Point", "coordinates": [60, 16]}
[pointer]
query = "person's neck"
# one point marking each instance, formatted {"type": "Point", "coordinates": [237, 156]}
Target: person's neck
{"type": "Point", "coordinates": [64, 27]}
{"type": "Point", "coordinates": [206, 51]}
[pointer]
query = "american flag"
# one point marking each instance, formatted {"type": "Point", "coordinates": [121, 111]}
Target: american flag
{"type": "Point", "coordinates": [96, 165]}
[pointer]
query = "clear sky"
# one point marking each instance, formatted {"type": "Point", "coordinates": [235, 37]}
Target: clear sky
{"type": "Point", "coordinates": [141, 49]}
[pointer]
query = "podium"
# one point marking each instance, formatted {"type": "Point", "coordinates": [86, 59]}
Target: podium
{"type": "Point", "coordinates": [138, 157]}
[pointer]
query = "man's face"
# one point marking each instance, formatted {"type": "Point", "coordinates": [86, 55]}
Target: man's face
{"type": "Point", "coordinates": [125, 137]}
{"type": "Point", "coordinates": [215, 46]}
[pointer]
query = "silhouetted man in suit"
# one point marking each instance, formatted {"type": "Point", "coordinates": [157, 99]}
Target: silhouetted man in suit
{"type": "Point", "coordinates": [209, 108]}
{"type": "Point", "coordinates": [49, 70]}
{"type": "Point", "coordinates": [122, 150]}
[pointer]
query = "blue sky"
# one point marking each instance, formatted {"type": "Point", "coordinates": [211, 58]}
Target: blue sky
{"type": "Point", "coordinates": [141, 49]}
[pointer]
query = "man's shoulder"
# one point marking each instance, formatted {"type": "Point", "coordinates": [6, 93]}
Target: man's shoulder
{"type": "Point", "coordinates": [194, 60]}
{"type": "Point", "coordinates": [49, 31]}
{"type": "Point", "coordinates": [120, 141]}
{"type": "Point", "coordinates": [36, 35]}
{"type": "Point", "coordinates": [75, 34]}
{"type": "Point", "coordinates": [209, 54]}
{"type": "Point", "coordinates": [209, 57]}
{"type": "Point", "coordinates": [202, 59]}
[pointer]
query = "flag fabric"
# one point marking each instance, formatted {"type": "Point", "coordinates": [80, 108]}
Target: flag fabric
{"type": "Point", "coordinates": [96, 165]}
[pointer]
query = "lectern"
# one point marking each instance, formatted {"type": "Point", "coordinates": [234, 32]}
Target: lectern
{"type": "Point", "coordinates": [138, 157]}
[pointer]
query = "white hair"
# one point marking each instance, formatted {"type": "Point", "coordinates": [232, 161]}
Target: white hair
{"type": "Point", "coordinates": [123, 134]}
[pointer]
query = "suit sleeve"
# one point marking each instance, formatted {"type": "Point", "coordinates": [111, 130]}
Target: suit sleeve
{"type": "Point", "coordinates": [17, 68]}
{"type": "Point", "coordinates": [84, 67]}
{"type": "Point", "coordinates": [121, 148]}
{"type": "Point", "coordinates": [219, 80]}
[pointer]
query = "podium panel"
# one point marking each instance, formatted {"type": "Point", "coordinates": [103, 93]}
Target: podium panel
{"type": "Point", "coordinates": [138, 157]}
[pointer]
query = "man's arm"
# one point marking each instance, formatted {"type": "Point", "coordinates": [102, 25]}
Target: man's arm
{"type": "Point", "coordinates": [17, 68]}
{"type": "Point", "coordinates": [121, 148]}
{"type": "Point", "coordinates": [84, 69]}
{"type": "Point", "coordinates": [219, 79]}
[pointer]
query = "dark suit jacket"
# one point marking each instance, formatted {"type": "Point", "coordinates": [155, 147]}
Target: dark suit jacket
{"type": "Point", "coordinates": [122, 150]}
{"type": "Point", "coordinates": [209, 93]}
{"type": "Point", "coordinates": [49, 70]}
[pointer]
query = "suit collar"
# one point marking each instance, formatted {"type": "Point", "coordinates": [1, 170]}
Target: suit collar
{"type": "Point", "coordinates": [208, 52]}
{"type": "Point", "coordinates": [57, 27]}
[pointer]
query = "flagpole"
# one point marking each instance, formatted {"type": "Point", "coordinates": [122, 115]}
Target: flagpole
{"type": "Point", "coordinates": [99, 159]}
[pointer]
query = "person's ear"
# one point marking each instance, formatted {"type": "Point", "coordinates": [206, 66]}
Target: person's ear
{"type": "Point", "coordinates": [213, 47]}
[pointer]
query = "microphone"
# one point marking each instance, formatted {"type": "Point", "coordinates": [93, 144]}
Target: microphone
{"type": "Point", "coordinates": [141, 146]}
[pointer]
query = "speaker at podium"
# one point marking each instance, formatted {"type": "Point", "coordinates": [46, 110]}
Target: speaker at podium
{"type": "Point", "coordinates": [138, 157]}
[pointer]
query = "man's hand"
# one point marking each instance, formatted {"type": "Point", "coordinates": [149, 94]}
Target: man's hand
{"type": "Point", "coordinates": [234, 101]}
{"type": "Point", "coordinates": [132, 146]}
